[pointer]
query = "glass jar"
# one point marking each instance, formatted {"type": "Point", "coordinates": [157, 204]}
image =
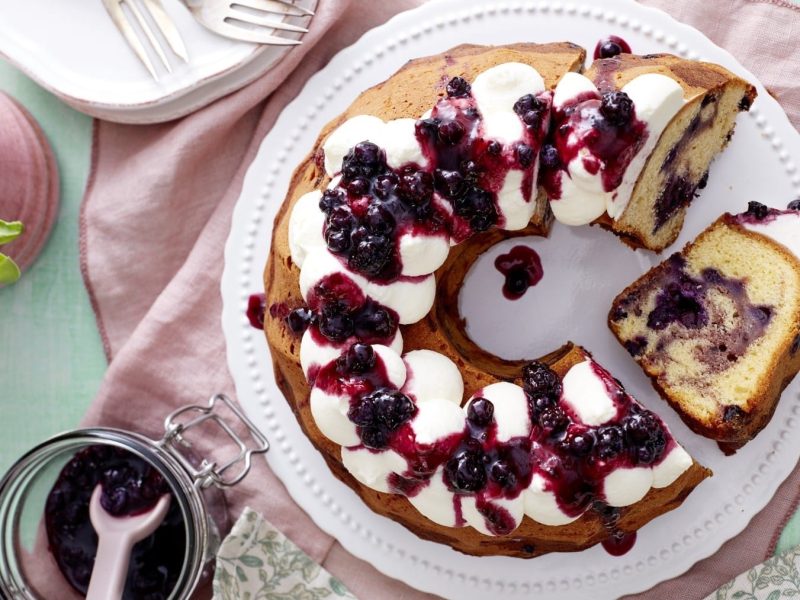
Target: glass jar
{"type": "Point", "coordinates": [27, 568]}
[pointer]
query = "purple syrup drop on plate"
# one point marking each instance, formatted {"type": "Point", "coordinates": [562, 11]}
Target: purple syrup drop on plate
{"type": "Point", "coordinates": [522, 269]}
{"type": "Point", "coordinates": [619, 543]}
{"type": "Point", "coordinates": [256, 309]}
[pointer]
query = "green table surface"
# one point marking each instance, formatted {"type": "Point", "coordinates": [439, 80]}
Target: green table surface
{"type": "Point", "coordinates": [51, 356]}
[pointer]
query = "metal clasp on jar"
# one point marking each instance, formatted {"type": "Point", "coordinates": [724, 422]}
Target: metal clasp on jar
{"type": "Point", "coordinates": [209, 472]}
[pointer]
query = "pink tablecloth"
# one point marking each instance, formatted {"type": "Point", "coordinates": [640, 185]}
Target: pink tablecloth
{"type": "Point", "coordinates": [157, 212]}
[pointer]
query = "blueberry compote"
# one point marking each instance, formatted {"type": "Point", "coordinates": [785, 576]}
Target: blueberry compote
{"type": "Point", "coordinates": [611, 46]}
{"type": "Point", "coordinates": [256, 310]}
{"type": "Point", "coordinates": [130, 486]}
{"type": "Point", "coordinates": [522, 269]}
{"type": "Point", "coordinates": [600, 128]}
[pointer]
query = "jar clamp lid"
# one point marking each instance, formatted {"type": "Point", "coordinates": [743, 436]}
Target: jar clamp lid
{"type": "Point", "coordinates": [27, 570]}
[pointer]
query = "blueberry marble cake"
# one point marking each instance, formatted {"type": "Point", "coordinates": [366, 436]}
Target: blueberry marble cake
{"type": "Point", "coordinates": [399, 196]}
{"type": "Point", "coordinates": [633, 139]}
{"type": "Point", "coordinates": [717, 326]}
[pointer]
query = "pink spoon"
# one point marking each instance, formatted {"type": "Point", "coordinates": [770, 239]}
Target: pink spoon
{"type": "Point", "coordinates": [116, 538]}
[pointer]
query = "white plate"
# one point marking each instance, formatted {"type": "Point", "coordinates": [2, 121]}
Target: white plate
{"type": "Point", "coordinates": [74, 50]}
{"type": "Point", "coordinates": [757, 165]}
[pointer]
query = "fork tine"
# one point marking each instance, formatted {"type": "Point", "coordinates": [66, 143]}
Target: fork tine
{"type": "Point", "coordinates": [270, 22]}
{"type": "Point", "coordinates": [167, 27]}
{"type": "Point", "coordinates": [249, 35]}
{"type": "Point", "coordinates": [280, 7]}
{"type": "Point", "coordinates": [121, 21]}
{"type": "Point", "coordinates": [149, 33]}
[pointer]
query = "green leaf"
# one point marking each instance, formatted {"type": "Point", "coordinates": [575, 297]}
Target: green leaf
{"type": "Point", "coordinates": [251, 561]}
{"type": "Point", "coordinates": [774, 595]}
{"type": "Point", "coordinates": [9, 271]}
{"type": "Point", "coordinates": [240, 574]}
{"type": "Point", "coordinates": [10, 230]}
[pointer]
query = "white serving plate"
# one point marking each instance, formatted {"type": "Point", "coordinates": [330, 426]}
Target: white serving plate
{"type": "Point", "coordinates": [74, 50]}
{"type": "Point", "coordinates": [584, 269]}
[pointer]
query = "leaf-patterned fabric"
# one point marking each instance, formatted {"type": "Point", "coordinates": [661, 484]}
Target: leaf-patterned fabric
{"type": "Point", "coordinates": [258, 562]}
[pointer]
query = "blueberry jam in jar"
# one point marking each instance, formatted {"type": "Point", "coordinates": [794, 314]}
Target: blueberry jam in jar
{"type": "Point", "coordinates": [130, 486]}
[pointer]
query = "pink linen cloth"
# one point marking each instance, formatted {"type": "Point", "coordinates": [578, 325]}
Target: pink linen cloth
{"type": "Point", "coordinates": [157, 212]}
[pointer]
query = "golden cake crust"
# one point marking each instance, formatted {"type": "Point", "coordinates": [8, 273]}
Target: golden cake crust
{"type": "Point", "coordinates": [409, 93]}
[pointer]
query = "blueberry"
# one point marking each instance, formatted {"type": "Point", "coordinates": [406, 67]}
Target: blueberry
{"type": "Point", "coordinates": [549, 157]}
{"type": "Point", "coordinates": [341, 218]}
{"type": "Point", "coordinates": [369, 253]}
{"type": "Point", "coordinates": [610, 442]}
{"type": "Point", "coordinates": [540, 381]}
{"type": "Point", "coordinates": [757, 210]}
{"type": "Point", "coordinates": [337, 241]}
{"type": "Point", "coordinates": [378, 219]}
{"type": "Point", "coordinates": [416, 187]}
{"type": "Point", "coordinates": [451, 132]}
{"type": "Point", "coordinates": [579, 444]}
{"type": "Point", "coordinates": [465, 471]}
{"type": "Point", "coordinates": [368, 154]}
{"type": "Point", "coordinates": [299, 319]}
{"type": "Point", "coordinates": [733, 413]}
{"type": "Point", "coordinates": [617, 108]}
{"type": "Point", "coordinates": [330, 200]}
{"type": "Point", "coordinates": [502, 474]}
{"type": "Point", "coordinates": [609, 49]}
{"type": "Point", "coordinates": [336, 327]}
{"type": "Point", "coordinates": [525, 155]}
{"type": "Point", "coordinates": [794, 204]}
{"type": "Point", "coordinates": [449, 183]}
{"type": "Point", "coordinates": [358, 186]}
{"type": "Point", "coordinates": [358, 359]}
{"type": "Point", "coordinates": [476, 205]}
{"type": "Point", "coordinates": [375, 321]}
{"type": "Point", "coordinates": [380, 413]}
{"type": "Point", "coordinates": [458, 87]}
{"type": "Point", "coordinates": [529, 103]}
{"type": "Point", "coordinates": [385, 185]}
{"type": "Point", "coordinates": [553, 419]}
{"type": "Point", "coordinates": [427, 128]}
{"type": "Point", "coordinates": [494, 148]}
{"type": "Point", "coordinates": [480, 412]}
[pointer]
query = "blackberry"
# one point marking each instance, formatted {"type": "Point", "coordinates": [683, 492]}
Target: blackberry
{"type": "Point", "coordinates": [609, 442]}
{"type": "Point", "coordinates": [451, 132]}
{"type": "Point", "coordinates": [549, 158]}
{"type": "Point", "coordinates": [369, 253]}
{"type": "Point", "coordinates": [380, 413]}
{"type": "Point", "coordinates": [553, 419]}
{"type": "Point", "coordinates": [757, 210]}
{"type": "Point", "coordinates": [358, 359]}
{"type": "Point", "coordinates": [458, 87]}
{"type": "Point", "coordinates": [540, 381]}
{"type": "Point", "coordinates": [617, 108]}
{"type": "Point", "coordinates": [330, 200]}
{"type": "Point", "coordinates": [336, 326]}
{"type": "Point", "coordinates": [415, 187]}
{"type": "Point", "coordinates": [378, 219]}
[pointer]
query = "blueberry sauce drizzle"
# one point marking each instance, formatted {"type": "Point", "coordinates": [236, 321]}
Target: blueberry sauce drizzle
{"type": "Point", "coordinates": [682, 308]}
{"type": "Point", "coordinates": [572, 457]}
{"type": "Point", "coordinates": [611, 46]}
{"type": "Point", "coordinates": [761, 213]}
{"type": "Point", "coordinates": [256, 310]}
{"type": "Point", "coordinates": [130, 486]}
{"type": "Point", "coordinates": [602, 124]}
{"type": "Point", "coordinates": [522, 269]}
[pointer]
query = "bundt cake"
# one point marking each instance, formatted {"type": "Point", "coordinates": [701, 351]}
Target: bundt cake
{"type": "Point", "coordinates": [633, 139]}
{"type": "Point", "coordinates": [370, 351]}
{"type": "Point", "coordinates": [717, 326]}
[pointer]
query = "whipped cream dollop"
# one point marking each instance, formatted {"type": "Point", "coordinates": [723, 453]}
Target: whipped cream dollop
{"type": "Point", "coordinates": [596, 175]}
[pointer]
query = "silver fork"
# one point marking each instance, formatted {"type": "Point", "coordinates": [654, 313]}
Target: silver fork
{"type": "Point", "coordinates": [162, 21]}
{"type": "Point", "coordinates": [231, 18]}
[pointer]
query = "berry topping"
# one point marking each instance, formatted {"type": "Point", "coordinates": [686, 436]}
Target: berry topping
{"type": "Point", "coordinates": [645, 436]}
{"type": "Point", "coordinates": [525, 155]}
{"type": "Point", "coordinates": [369, 253]}
{"type": "Point", "coordinates": [579, 444]}
{"type": "Point", "coordinates": [256, 310]}
{"type": "Point", "coordinates": [480, 412]}
{"type": "Point", "coordinates": [531, 110]}
{"type": "Point", "coordinates": [299, 319]}
{"type": "Point", "coordinates": [449, 183]}
{"type": "Point", "coordinates": [549, 158]}
{"type": "Point", "coordinates": [610, 47]}
{"type": "Point", "coordinates": [379, 414]}
{"type": "Point", "coordinates": [451, 132]}
{"type": "Point", "coordinates": [477, 206]}
{"type": "Point", "coordinates": [794, 204]}
{"type": "Point", "coordinates": [617, 108]}
{"type": "Point", "coordinates": [358, 359]}
{"type": "Point", "coordinates": [416, 187]}
{"type": "Point", "coordinates": [335, 326]}
{"type": "Point", "coordinates": [553, 419]}
{"type": "Point", "coordinates": [458, 87]}
{"type": "Point", "coordinates": [610, 442]}
{"type": "Point", "coordinates": [540, 381]}
{"type": "Point", "coordinates": [330, 200]}
{"type": "Point", "coordinates": [465, 472]}
{"type": "Point", "coordinates": [757, 210]}
{"type": "Point", "coordinates": [501, 472]}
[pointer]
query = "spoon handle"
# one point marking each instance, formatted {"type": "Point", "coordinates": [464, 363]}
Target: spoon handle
{"type": "Point", "coordinates": [110, 567]}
